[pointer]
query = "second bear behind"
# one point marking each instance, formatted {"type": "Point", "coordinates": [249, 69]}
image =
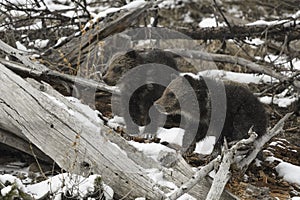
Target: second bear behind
{"type": "Point", "coordinates": [135, 106]}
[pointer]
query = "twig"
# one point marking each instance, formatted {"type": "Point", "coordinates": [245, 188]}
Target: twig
{"type": "Point", "coordinates": [260, 142]}
{"type": "Point", "coordinates": [223, 174]}
{"type": "Point", "coordinates": [200, 174]}
{"type": "Point", "coordinates": [223, 16]}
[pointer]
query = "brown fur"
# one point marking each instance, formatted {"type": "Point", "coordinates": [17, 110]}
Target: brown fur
{"type": "Point", "coordinates": [120, 64]}
{"type": "Point", "coordinates": [243, 109]}
{"type": "Point", "coordinates": [141, 100]}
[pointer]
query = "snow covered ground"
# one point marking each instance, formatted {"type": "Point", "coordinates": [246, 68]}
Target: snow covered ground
{"type": "Point", "coordinates": [55, 186]}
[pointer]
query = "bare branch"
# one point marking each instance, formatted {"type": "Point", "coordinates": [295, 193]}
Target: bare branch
{"type": "Point", "coordinates": [260, 142]}
{"type": "Point", "coordinates": [235, 60]}
{"type": "Point", "coordinates": [228, 59]}
{"type": "Point", "coordinates": [22, 56]}
{"type": "Point", "coordinates": [223, 174]}
{"type": "Point", "coordinates": [54, 75]}
{"type": "Point", "coordinates": [200, 174]}
{"type": "Point", "coordinates": [276, 32]}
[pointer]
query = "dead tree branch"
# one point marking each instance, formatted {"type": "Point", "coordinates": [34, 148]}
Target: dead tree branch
{"type": "Point", "coordinates": [22, 56]}
{"type": "Point", "coordinates": [289, 28]}
{"type": "Point", "coordinates": [51, 75]}
{"type": "Point", "coordinates": [234, 60]}
{"type": "Point", "coordinates": [200, 174]}
{"type": "Point", "coordinates": [260, 142]}
{"type": "Point", "coordinates": [223, 175]}
{"type": "Point", "coordinates": [277, 31]}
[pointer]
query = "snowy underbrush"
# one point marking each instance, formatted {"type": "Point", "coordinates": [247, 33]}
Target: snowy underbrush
{"type": "Point", "coordinates": [61, 186]}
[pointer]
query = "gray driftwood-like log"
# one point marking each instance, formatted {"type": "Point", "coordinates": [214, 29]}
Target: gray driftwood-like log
{"type": "Point", "coordinates": [78, 143]}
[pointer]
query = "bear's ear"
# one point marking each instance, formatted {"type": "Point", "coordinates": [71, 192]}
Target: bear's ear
{"type": "Point", "coordinates": [188, 77]}
{"type": "Point", "coordinates": [132, 54]}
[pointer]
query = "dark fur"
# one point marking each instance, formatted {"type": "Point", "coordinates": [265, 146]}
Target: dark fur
{"type": "Point", "coordinates": [243, 110]}
{"type": "Point", "coordinates": [142, 99]}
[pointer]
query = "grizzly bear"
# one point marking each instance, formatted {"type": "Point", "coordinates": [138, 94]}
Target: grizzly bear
{"type": "Point", "coordinates": [140, 87]}
{"type": "Point", "coordinates": [239, 108]}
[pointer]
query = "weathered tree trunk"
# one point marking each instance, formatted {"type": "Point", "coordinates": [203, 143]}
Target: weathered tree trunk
{"type": "Point", "coordinates": [78, 143]}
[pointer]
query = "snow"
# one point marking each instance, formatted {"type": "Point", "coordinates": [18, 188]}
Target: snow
{"type": "Point", "coordinates": [280, 61]}
{"type": "Point", "coordinates": [60, 40]}
{"type": "Point", "coordinates": [238, 77]}
{"type": "Point", "coordinates": [289, 172]}
{"type": "Point", "coordinates": [57, 102]}
{"type": "Point", "coordinates": [123, 152]}
{"type": "Point", "coordinates": [93, 114]}
{"type": "Point", "coordinates": [266, 23]}
{"type": "Point", "coordinates": [172, 135]}
{"type": "Point", "coordinates": [279, 99]}
{"type": "Point", "coordinates": [296, 15]}
{"type": "Point", "coordinates": [92, 121]}
{"type": "Point", "coordinates": [157, 177]}
{"type": "Point", "coordinates": [187, 18]}
{"type": "Point", "coordinates": [257, 162]}
{"type": "Point", "coordinates": [58, 184]}
{"type": "Point", "coordinates": [39, 43]}
{"type": "Point", "coordinates": [20, 46]}
{"type": "Point", "coordinates": [151, 149]}
{"type": "Point", "coordinates": [296, 64]}
{"type": "Point", "coordinates": [186, 197]}
{"type": "Point", "coordinates": [6, 190]}
{"type": "Point", "coordinates": [134, 4]}
{"type": "Point", "coordinates": [116, 122]}
{"type": "Point", "coordinates": [108, 192]}
{"type": "Point", "coordinates": [7, 178]}
{"type": "Point", "coordinates": [205, 146]}
{"type": "Point", "coordinates": [210, 22]}
{"type": "Point", "coordinates": [255, 41]}
{"type": "Point", "coordinates": [167, 4]}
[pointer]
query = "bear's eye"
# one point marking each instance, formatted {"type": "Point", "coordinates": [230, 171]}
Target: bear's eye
{"type": "Point", "coordinates": [117, 69]}
{"type": "Point", "coordinates": [171, 95]}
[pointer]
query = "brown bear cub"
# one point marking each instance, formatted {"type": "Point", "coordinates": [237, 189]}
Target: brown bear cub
{"type": "Point", "coordinates": [139, 88]}
{"type": "Point", "coordinates": [243, 110]}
